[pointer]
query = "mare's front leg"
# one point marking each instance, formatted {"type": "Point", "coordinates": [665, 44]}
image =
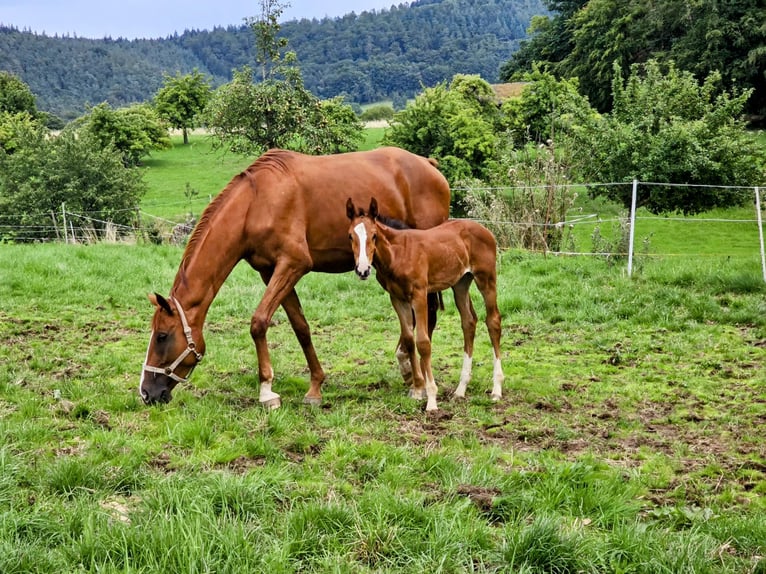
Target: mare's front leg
{"type": "Point", "coordinates": [280, 283]}
{"type": "Point", "coordinates": [423, 343]}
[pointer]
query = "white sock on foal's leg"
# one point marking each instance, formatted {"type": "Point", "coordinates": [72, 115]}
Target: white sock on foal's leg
{"type": "Point", "coordinates": [465, 376]}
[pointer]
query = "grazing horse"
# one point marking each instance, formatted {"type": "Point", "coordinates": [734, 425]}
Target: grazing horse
{"type": "Point", "coordinates": [410, 263]}
{"type": "Point", "coordinates": [277, 215]}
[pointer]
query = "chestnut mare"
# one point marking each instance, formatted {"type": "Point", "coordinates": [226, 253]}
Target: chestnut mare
{"type": "Point", "coordinates": [278, 216]}
{"type": "Point", "coordinates": [410, 263]}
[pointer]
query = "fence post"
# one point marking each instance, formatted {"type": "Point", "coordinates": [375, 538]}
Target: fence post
{"type": "Point", "coordinates": [632, 230]}
{"type": "Point", "coordinates": [759, 218]}
{"type": "Point", "coordinates": [63, 215]}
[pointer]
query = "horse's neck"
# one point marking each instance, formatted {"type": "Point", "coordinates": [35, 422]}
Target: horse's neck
{"type": "Point", "coordinates": [384, 248]}
{"type": "Point", "coordinates": [209, 261]}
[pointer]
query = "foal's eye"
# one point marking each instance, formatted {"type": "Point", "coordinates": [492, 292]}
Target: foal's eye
{"type": "Point", "coordinates": [374, 236]}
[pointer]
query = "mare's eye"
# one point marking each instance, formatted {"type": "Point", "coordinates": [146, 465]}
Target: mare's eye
{"type": "Point", "coordinates": [374, 236]}
{"type": "Point", "coordinates": [162, 337]}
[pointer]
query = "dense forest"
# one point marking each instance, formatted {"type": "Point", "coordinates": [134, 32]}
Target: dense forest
{"type": "Point", "coordinates": [585, 39]}
{"type": "Point", "coordinates": [367, 57]}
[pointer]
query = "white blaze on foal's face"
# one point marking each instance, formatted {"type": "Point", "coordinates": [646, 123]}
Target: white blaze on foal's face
{"type": "Point", "coordinates": [363, 261]}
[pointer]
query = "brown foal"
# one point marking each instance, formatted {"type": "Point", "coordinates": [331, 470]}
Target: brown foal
{"type": "Point", "coordinates": [410, 263]}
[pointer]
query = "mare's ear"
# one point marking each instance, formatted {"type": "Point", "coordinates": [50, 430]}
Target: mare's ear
{"type": "Point", "coordinates": [350, 209]}
{"type": "Point", "coordinates": [160, 302]}
{"type": "Point", "coordinates": [373, 208]}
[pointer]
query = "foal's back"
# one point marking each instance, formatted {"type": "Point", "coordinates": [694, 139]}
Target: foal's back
{"type": "Point", "coordinates": [445, 253]}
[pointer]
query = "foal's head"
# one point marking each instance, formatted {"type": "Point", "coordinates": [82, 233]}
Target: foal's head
{"type": "Point", "coordinates": [363, 234]}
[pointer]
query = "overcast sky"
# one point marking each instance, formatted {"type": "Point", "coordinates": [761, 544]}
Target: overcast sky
{"type": "Point", "coordinates": [158, 18]}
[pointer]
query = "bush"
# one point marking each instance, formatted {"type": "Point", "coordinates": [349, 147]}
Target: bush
{"type": "Point", "coordinates": [73, 169]}
{"type": "Point", "coordinates": [377, 113]}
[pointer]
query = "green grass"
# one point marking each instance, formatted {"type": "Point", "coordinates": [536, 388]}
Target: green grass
{"type": "Point", "coordinates": [629, 437]}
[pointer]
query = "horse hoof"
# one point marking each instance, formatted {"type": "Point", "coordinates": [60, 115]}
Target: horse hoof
{"type": "Point", "coordinates": [418, 395]}
{"type": "Point", "coordinates": [313, 401]}
{"type": "Point", "coordinates": [272, 404]}
{"type": "Point", "coordinates": [495, 397]}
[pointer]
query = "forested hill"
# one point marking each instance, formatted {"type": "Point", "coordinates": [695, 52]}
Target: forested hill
{"type": "Point", "coordinates": [386, 54]}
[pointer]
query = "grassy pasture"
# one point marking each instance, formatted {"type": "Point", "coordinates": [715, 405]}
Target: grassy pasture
{"type": "Point", "coordinates": [629, 439]}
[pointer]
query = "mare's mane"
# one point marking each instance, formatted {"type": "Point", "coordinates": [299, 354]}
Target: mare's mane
{"type": "Point", "coordinates": [272, 159]}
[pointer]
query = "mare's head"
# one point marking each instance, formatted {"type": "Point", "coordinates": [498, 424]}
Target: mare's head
{"type": "Point", "coordinates": [172, 353]}
{"type": "Point", "coordinates": [363, 234]}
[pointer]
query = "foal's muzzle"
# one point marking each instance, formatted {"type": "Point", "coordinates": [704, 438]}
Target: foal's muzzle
{"type": "Point", "coordinates": [363, 274]}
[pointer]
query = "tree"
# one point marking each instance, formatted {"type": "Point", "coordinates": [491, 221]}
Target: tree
{"type": "Point", "coordinates": [182, 100]}
{"type": "Point", "coordinates": [546, 105]}
{"type": "Point", "coordinates": [456, 124]}
{"type": "Point", "coordinates": [133, 131]}
{"type": "Point", "coordinates": [666, 127]}
{"type": "Point", "coordinates": [15, 95]}
{"type": "Point", "coordinates": [268, 44]}
{"type": "Point", "coordinates": [278, 111]}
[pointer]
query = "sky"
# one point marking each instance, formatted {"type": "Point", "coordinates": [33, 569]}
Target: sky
{"type": "Point", "coordinates": [159, 18]}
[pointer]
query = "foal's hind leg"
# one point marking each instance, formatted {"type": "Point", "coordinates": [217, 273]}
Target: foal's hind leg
{"type": "Point", "coordinates": [468, 321]}
{"type": "Point", "coordinates": [487, 284]}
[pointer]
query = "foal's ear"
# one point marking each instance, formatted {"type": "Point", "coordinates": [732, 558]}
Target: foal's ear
{"type": "Point", "coordinates": [350, 209]}
{"type": "Point", "coordinates": [160, 302]}
{"type": "Point", "coordinates": [373, 208]}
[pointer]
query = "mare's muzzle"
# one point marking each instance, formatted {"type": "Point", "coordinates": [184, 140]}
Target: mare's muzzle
{"type": "Point", "coordinates": [156, 388]}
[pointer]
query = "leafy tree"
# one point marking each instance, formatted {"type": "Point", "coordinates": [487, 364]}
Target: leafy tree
{"type": "Point", "coordinates": [666, 127]}
{"type": "Point", "coordinates": [15, 95]}
{"type": "Point", "coordinates": [456, 124]}
{"type": "Point", "coordinates": [378, 112]}
{"type": "Point", "coordinates": [278, 111]}
{"type": "Point", "coordinates": [546, 105]}
{"type": "Point", "coordinates": [182, 100]}
{"type": "Point", "coordinates": [15, 128]}
{"type": "Point", "coordinates": [133, 131]}
{"type": "Point", "coordinates": [268, 44]}
{"type": "Point", "coordinates": [73, 168]}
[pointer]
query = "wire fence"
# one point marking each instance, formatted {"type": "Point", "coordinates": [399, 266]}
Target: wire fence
{"type": "Point", "coordinates": [609, 234]}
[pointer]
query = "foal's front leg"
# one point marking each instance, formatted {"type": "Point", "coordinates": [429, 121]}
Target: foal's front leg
{"type": "Point", "coordinates": [407, 346]}
{"type": "Point", "coordinates": [423, 342]}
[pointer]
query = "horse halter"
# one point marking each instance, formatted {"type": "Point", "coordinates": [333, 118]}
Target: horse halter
{"type": "Point", "coordinates": [191, 349]}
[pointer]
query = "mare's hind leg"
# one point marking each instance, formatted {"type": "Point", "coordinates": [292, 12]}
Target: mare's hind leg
{"type": "Point", "coordinates": [468, 321]}
{"type": "Point", "coordinates": [487, 284]}
{"type": "Point", "coordinates": [292, 307]}
{"type": "Point", "coordinates": [279, 285]}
